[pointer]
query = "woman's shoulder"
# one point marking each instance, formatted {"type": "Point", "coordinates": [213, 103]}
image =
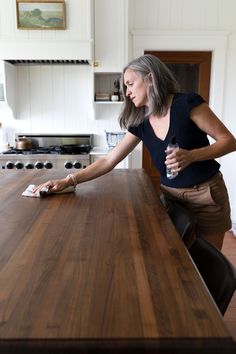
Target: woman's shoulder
{"type": "Point", "coordinates": [188, 99]}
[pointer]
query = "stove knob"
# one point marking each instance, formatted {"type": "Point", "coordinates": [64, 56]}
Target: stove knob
{"type": "Point", "coordinates": [68, 164]}
{"type": "Point", "coordinates": [77, 164]}
{"type": "Point", "coordinates": [29, 166]}
{"type": "Point", "coordinates": [38, 165]}
{"type": "Point", "coordinates": [9, 165]}
{"type": "Point", "coordinates": [48, 165]}
{"type": "Point", "coordinates": [19, 165]}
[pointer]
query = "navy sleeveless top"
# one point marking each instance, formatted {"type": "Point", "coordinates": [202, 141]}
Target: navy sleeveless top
{"type": "Point", "coordinates": [188, 136]}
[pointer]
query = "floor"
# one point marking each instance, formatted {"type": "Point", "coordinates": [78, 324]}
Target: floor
{"type": "Point", "coordinates": [229, 249]}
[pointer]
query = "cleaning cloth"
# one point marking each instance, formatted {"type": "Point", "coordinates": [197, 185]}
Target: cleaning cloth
{"type": "Point", "coordinates": [44, 191]}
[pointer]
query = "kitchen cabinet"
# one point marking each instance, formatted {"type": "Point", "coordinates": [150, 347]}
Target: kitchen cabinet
{"type": "Point", "coordinates": [110, 49]}
{"type": "Point", "coordinates": [110, 35]}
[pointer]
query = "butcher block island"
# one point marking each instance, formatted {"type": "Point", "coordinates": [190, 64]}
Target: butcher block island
{"type": "Point", "coordinates": [101, 270]}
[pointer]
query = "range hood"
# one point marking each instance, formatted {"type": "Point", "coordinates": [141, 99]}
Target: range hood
{"type": "Point", "coordinates": [42, 50]}
{"type": "Point", "coordinates": [40, 62]}
{"type": "Point", "coordinates": [74, 45]}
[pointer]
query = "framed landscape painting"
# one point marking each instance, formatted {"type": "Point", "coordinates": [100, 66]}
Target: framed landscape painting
{"type": "Point", "coordinates": [41, 15]}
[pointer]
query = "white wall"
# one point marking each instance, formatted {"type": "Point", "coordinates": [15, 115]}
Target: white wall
{"type": "Point", "coordinates": [229, 114]}
{"type": "Point", "coordinates": [54, 98]}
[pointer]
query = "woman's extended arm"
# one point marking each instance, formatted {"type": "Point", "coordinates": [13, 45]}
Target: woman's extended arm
{"type": "Point", "coordinates": [96, 169]}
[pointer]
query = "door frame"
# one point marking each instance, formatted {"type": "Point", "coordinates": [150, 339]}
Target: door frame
{"type": "Point", "coordinates": [202, 58]}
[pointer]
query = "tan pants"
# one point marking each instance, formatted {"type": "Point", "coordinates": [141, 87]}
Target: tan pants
{"type": "Point", "coordinates": [208, 201]}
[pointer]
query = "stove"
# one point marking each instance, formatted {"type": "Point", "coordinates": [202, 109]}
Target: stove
{"type": "Point", "coordinates": [49, 151]}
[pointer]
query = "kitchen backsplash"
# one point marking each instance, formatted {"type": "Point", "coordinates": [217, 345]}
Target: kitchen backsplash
{"type": "Point", "coordinates": [59, 99]}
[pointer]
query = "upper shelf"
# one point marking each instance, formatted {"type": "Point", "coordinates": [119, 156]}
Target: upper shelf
{"type": "Point", "coordinates": [106, 84]}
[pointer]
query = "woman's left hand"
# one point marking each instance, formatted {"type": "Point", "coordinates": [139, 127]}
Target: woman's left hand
{"type": "Point", "coordinates": [178, 159]}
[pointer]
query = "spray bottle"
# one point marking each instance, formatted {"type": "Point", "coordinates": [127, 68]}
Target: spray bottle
{"type": "Point", "coordinates": [172, 145]}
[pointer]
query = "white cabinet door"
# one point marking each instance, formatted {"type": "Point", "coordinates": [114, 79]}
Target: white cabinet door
{"type": "Point", "coordinates": [110, 33]}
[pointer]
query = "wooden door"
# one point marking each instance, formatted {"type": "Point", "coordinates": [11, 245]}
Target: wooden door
{"type": "Point", "coordinates": [184, 65]}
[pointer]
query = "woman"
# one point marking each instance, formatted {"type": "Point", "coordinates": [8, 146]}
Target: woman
{"type": "Point", "coordinates": [154, 111]}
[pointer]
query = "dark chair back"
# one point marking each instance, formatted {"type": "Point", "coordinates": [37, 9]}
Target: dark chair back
{"type": "Point", "coordinates": [216, 270]}
{"type": "Point", "coordinates": [183, 220]}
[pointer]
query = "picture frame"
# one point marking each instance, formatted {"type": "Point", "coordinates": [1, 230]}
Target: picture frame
{"type": "Point", "coordinates": [41, 14]}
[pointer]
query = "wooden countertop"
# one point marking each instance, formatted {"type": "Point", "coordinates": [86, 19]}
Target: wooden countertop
{"type": "Point", "coordinates": [100, 270]}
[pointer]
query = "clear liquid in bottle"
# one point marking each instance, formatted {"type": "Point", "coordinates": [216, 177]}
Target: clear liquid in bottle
{"type": "Point", "coordinates": [172, 145]}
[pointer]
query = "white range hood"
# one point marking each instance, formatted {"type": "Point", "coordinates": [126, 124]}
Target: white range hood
{"type": "Point", "coordinates": [46, 50]}
{"type": "Point", "coordinates": [74, 43]}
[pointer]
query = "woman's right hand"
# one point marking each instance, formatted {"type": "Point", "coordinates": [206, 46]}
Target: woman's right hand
{"type": "Point", "coordinates": [56, 185]}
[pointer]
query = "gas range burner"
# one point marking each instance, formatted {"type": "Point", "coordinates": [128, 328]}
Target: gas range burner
{"type": "Point", "coordinates": [14, 151]}
{"type": "Point", "coordinates": [73, 149]}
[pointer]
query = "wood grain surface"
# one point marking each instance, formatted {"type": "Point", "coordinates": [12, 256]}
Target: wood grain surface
{"type": "Point", "coordinates": [101, 270]}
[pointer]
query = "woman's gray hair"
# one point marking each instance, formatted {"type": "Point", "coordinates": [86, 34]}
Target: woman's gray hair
{"type": "Point", "coordinates": [163, 85]}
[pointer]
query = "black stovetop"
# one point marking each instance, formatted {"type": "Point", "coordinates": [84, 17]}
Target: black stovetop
{"type": "Point", "coordinates": [54, 150]}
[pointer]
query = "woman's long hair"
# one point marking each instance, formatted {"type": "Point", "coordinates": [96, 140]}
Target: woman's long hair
{"type": "Point", "coordinates": [163, 85]}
